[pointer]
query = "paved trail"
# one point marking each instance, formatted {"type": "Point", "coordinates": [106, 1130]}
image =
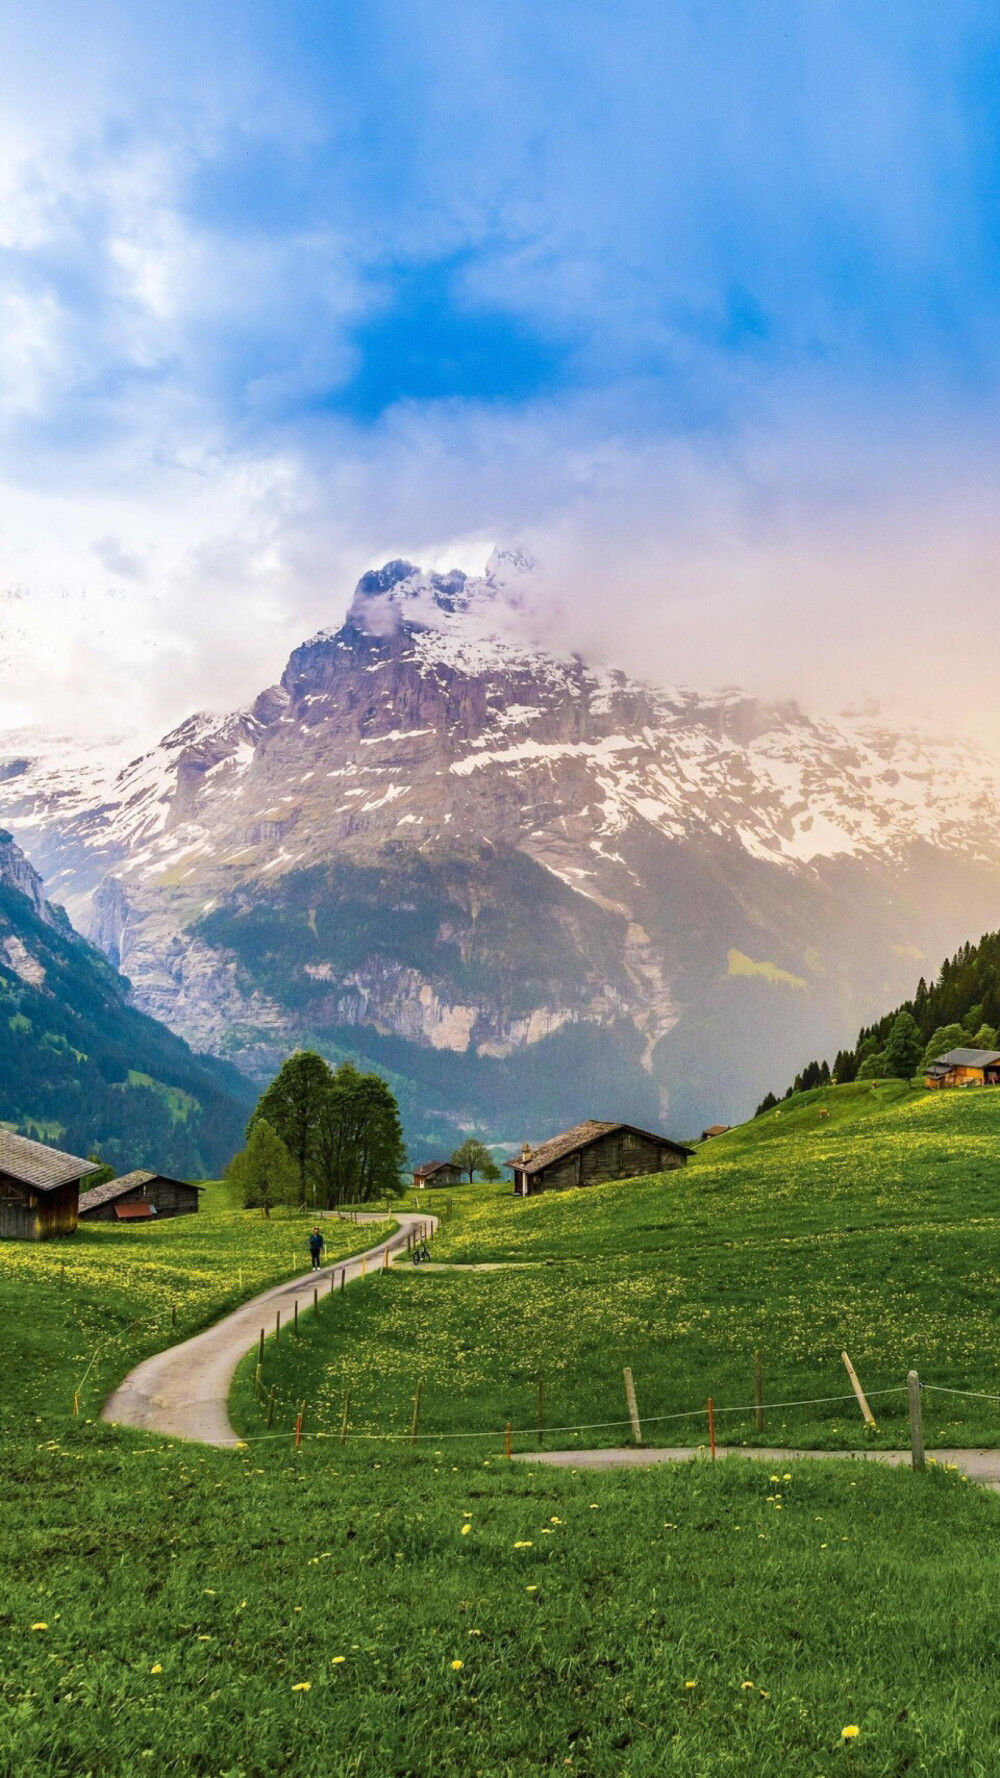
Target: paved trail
{"type": "Point", "coordinates": [979, 1466]}
{"type": "Point", "coordinates": [184, 1391]}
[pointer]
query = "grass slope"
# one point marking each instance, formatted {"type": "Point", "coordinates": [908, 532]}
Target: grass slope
{"type": "Point", "coordinates": [366, 1610]}
{"type": "Point", "coordinates": [875, 1229]}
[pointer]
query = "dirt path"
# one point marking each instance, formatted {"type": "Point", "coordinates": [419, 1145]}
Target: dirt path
{"type": "Point", "coordinates": [979, 1466]}
{"type": "Point", "coordinates": [184, 1391]}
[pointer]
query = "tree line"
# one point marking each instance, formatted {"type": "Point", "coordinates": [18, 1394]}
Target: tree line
{"type": "Point", "coordinates": [319, 1137]}
{"type": "Point", "coordinates": [960, 1009]}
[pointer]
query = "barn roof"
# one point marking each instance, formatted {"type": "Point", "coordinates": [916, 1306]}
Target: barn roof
{"type": "Point", "coordinates": [37, 1165]}
{"type": "Point", "coordinates": [129, 1182]}
{"type": "Point", "coordinates": [581, 1136]}
{"type": "Point", "coordinates": [716, 1130]}
{"type": "Point", "coordinates": [436, 1167]}
{"type": "Point", "coordinates": [962, 1058]}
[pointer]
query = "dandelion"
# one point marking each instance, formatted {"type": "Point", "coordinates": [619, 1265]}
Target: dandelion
{"type": "Point", "coordinates": [523, 1544]}
{"type": "Point", "coordinates": [304, 1685]}
{"type": "Point", "coordinates": [747, 1686]}
{"type": "Point", "coordinates": [850, 1732]}
{"type": "Point", "coordinates": [465, 1530]}
{"type": "Point", "coordinates": [456, 1666]}
{"type": "Point", "coordinates": [689, 1684]}
{"type": "Point", "coordinates": [533, 1589]}
{"type": "Point", "coordinates": [337, 1660]}
{"type": "Point", "coordinates": [39, 1626]}
{"type": "Point", "coordinates": [156, 1667]}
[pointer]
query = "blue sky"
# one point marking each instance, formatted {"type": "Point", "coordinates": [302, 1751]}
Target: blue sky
{"type": "Point", "coordinates": [699, 299]}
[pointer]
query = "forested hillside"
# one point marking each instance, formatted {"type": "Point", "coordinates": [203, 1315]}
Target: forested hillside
{"type": "Point", "coordinates": [81, 1067]}
{"type": "Point", "coordinates": [961, 1007]}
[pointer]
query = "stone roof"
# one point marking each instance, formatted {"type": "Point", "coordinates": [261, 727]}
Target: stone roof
{"type": "Point", "coordinates": [118, 1188]}
{"type": "Point", "coordinates": [581, 1136]}
{"type": "Point", "coordinates": [37, 1165]}
{"type": "Point", "coordinates": [962, 1058]}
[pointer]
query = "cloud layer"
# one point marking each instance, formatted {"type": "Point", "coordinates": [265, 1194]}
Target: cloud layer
{"type": "Point", "coordinates": [699, 301]}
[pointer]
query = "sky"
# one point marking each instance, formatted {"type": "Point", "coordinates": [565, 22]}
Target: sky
{"type": "Point", "coordinates": [697, 301]}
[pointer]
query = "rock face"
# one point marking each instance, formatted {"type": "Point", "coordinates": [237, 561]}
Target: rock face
{"type": "Point", "coordinates": [530, 890]}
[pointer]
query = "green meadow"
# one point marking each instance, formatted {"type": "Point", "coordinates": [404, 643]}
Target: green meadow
{"type": "Point", "coordinates": [373, 1608]}
{"type": "Point", "coordinates": [874, 1229]}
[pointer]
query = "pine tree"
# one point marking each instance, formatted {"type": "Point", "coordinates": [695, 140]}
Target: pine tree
{"type": "Point", "coordinates": [904, 1048]}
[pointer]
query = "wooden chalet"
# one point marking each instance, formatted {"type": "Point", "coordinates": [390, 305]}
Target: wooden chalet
{"type": "Point", "coordinates": [715, 1130]}
{"type": "Point", "coordinates": [136, 1197]}
{"type": "Point", "coordinates": [591, 1154]}
{"type": "Point", "coordinates": [964, 1068]}
{"type": "Point", "coordinates": [39, 1189]}
{"type": "Point", "coordinates": [437, 1173]}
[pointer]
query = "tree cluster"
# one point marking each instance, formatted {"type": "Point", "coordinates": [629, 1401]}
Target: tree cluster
{"type": "Point", "coordinates": [320, 1137]}
{"type": "Point", "coordinates": [960, 1009]}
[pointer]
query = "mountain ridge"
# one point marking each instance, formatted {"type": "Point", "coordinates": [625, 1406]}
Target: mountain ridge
{"type": "Point", "coordinates": [682, 829]}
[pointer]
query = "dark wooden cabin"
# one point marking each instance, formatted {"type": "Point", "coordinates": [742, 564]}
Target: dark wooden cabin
{"type": "Point", "coordinates": [438, 1173]}
{"type": "Point", "coordinates": [39, 1189]}
{"type": "Point", "coordinates": [592, 1154]}
{"type": "Point", "coordinates": [136, 1197]}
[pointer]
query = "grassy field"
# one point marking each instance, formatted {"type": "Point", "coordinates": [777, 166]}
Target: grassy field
{"type": "Point", "coordinates": [875, 1229]}
{"type": "Point", "coordinates": [87, 1309]}
{"type": "Point", "coordinates": [370, 1611]}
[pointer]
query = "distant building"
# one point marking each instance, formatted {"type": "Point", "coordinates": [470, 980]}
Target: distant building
{"type": "Point", "coordinates": [592, 1154]}
{"type": "Point", "coordinates": [964, 1068]}
{"type": "Point", "coordinates": [136, 1197]}
{"type": "Point", "coordinates": [715, 1130]}
{"type": "Point", "coordinates": [437, 1173]}
{"type": "Point", "coordinates": [39, 1189]}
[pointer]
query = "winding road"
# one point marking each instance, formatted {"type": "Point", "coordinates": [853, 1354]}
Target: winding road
{"type": "Point", "coordinates": [184, 1391]}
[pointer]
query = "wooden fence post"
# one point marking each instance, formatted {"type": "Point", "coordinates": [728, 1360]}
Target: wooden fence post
{"type": "Point", "coordinates": [385, 1261]}
{"type": "Point", "coordinates": [541, 1412]}
{"type": "Point", "coordinates": [633, 1410]}
{"type": "Point", "coordinates": [343, 1276]}
{"type": "Point", "coordinates": [260, 1348]}
{"type": "Point", "coordinates": [711, 1427]}
{"type": "Point", "coordinates": [270, 1403]}
{"type": "Point", "coordinates": [758, 1391]}
{"type": "Point", "coordinates": [364, 1261]}
{"type": "Point", "coordinates": [315, 1296]}
{"type": "Point", "coordinates": [345, 1416]}
{"type": "Point", "coordinates": [507, 1442]}
{"type": "Point", "coordinates": [173, 1314]}
{"type": "Point", "coordinates": [298, 1426]}
{"type": "Point", "coordinates": [277, 1328]}
{"type": "Point", "coordinates": [257, 1384]}
{"type": "Point", "coordinates": [296, 1315]}
{"type": "Point", "coordinates": [916, 1421]}
{"type": "Point", "coordinates": [869, 1417]}
{"type": "Point", "coordinates": [416, 1411]}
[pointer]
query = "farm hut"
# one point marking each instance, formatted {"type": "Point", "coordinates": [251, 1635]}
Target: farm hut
{"type": "Point", "coordinates": [39, 1189]}
{"type": "Point", "coordinates": [715, 1130]}
{"type": "Point", "coordinates": [136, 1197]}
{"type": "Point", "coordinates": [437, 1173]}
{"type": "Point", "coordinates": [964, 1068]}
{"type": "Point", "coordinates": [592, 1154]}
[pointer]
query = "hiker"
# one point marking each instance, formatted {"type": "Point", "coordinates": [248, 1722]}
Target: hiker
{"type": "Point", "coordinates": [315, 1248]}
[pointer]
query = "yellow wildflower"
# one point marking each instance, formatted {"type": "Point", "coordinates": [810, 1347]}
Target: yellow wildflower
{"type": "Point", "coordinates": [456, 1666]}
{"type": "Point", "coordinates": [465, 1530]}
{"type": "Point", "coordinates": [747, 1685]}
{"type": "Point", "coordinates": [304, 1685]}
{"type": "Point", "coordinates": [689, 1684]}
{"type": "Point", "coordinates": [39, 1626]}
{"type": "Point", "coordinates": [524, 1544]}
{"type": "Point", "coordinates": [156, 1667]}
{"type": "Point", "coordinates": [849, 1733]}
{"type": "Point", "coordinates": [335, 1660]}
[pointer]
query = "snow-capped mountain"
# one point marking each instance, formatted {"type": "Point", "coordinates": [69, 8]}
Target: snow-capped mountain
{"type": "Point", "coordinates": [520, 881]}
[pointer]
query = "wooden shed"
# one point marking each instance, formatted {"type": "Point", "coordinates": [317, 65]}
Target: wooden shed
{"type": "Point", "coordinates": [39, 1189]}
{"type": "Point", "coordinates": [964, 1068]}
{"type": "Point", "coordinates": [592, 1154]}
{"type": "Point", "coordinates": [136, 1197]}
{"type": "Point", "coordinates": [437, 1173]}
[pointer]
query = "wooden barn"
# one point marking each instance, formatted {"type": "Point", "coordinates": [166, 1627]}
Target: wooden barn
{"type": "Point", "coordinates": [437, 1173]}
{"type": "Point", "coordinates": [964, 1068]}
{"type": "Point", "coordinates": [592, 1154]}
{"type": "Point", "coordinates": [136, 1197]}
{"type": "Point", "coordinates": [39, 1189]}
